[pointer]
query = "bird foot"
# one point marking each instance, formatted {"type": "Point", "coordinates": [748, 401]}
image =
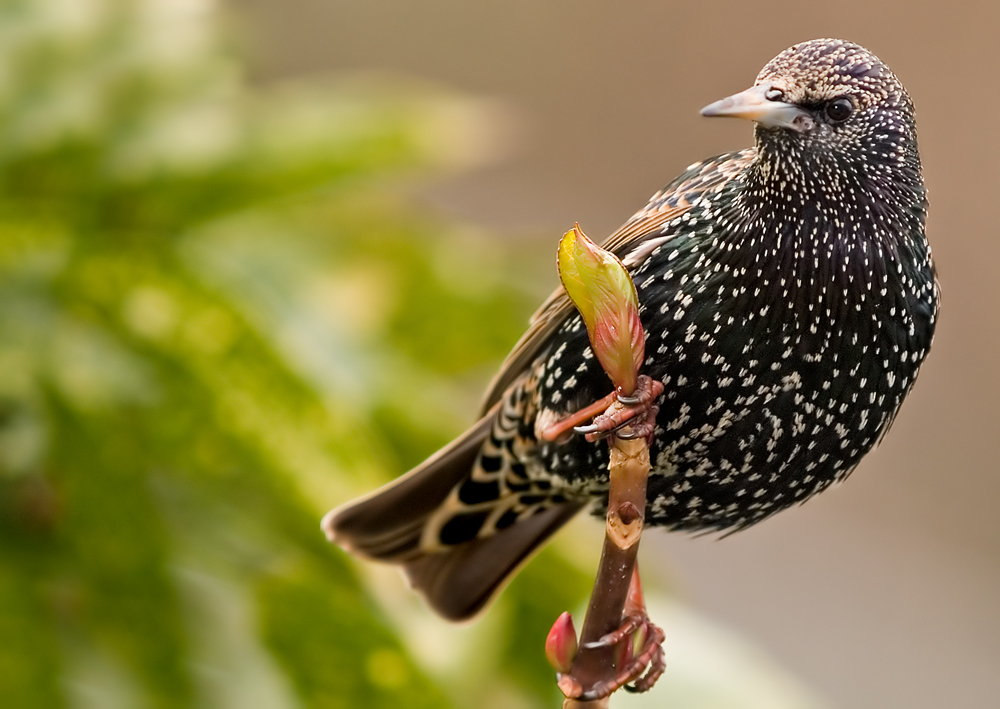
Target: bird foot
{"type": "Point", "coordinates": [640, 647]}
{"type": "Point", "coordinates": [639, 659]}
{"type": "Point", "coordinates": [636, 412]}
{"type": "Point", "coordinates": [638, 656]}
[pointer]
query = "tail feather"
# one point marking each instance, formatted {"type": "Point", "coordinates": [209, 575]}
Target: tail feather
{"type": "Point", "coordinates": [386, 525]}
{"type": "Point", "coordinates": [460, 582]}
{"type": "Point", "coordinates": [457, 580]}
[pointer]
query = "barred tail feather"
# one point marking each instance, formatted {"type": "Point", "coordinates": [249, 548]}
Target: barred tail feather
{"type": "Point", "coordinates": [461, 581]}
{"type": "Point", "coordinates": [387, 524]}
{"type": "Point", "coordinates": [457, 580]}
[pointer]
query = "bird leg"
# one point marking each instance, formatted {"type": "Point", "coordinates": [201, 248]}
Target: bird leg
{"type": "Point", "coordinates": [548, 431]}
{"type": "Point", "coordinates": [639, 642]}
{"type": "Point", "coordinates": [638, 412]}
{"type": "Point", "coordinates": [639, 653]}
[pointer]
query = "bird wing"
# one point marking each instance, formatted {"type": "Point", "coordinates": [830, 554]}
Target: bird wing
{"type": "Point", "coordinates": [632, 242]}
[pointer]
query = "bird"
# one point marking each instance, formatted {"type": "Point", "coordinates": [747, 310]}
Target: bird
{"type": "Point", "coordinates": [789, 298]}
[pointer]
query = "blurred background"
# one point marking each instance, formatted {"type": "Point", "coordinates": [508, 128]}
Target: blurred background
{"type": "Point", "coordinates": [257, 257]}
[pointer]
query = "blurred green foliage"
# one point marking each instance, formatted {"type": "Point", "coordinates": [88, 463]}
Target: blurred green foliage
{"type": "Point", "coordinates": [216, 322]}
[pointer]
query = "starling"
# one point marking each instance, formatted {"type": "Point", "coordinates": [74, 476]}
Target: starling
{"type": "Point", "coordinates": [789, 298]}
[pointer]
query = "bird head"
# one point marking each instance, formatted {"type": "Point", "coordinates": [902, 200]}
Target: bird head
{"type": "Point", "coordinates": [824, 95]}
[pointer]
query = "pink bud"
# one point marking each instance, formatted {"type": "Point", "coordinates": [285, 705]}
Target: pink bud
{"type": "Point", "coordinates": [561, 644]}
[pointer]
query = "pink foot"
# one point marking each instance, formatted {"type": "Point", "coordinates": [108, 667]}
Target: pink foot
{"type": "Point", "coordinates": [637, 412]}
{"type": "Point", "coordinates": [638, 669]}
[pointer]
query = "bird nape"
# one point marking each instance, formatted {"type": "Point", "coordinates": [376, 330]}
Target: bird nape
{"type": "Point", "coordinates": [789, 298]}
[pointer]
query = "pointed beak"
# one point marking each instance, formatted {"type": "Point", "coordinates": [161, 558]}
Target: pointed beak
{"type": "Point", "coordinates": [756, 106]}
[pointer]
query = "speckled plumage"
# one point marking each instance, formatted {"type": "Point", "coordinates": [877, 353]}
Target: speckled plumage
{"type": "Point", "coordinates": [788, 296]}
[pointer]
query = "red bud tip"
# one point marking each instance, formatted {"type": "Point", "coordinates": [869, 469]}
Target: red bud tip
{"type": "Point", "coordinates": [561, 644]}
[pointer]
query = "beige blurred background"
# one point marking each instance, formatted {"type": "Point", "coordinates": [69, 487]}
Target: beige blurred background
{"type": "Point", "coordinates": [883, 592]}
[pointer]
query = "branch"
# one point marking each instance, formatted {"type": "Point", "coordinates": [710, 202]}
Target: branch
{"type": "Point", "coordinates": [604, 294]}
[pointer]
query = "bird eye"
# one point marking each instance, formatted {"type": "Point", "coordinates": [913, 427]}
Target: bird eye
{"type": "Point", "coordinates": [839, 109]}
{"type": "Point", "coordinates": [774, 94]}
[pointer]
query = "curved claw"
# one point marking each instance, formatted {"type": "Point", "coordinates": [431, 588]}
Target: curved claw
{"type": "Point", "coordinates": [629, 623]}
{"type": "Point", "coordinates": [595, 432]}
{"type": "Point", "coordinates": [634, 677]}
{"type": "Point", "coordinates": [629, 400]}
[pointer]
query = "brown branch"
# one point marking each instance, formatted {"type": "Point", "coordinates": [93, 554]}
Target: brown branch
{"type": "Point", "coordinates": [601, 289]}
{"type": "Point", "coordinates": [628, 469]}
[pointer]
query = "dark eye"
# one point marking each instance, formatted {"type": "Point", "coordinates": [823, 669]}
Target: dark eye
{"type": "Point", "coordinates": [839, 109]}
